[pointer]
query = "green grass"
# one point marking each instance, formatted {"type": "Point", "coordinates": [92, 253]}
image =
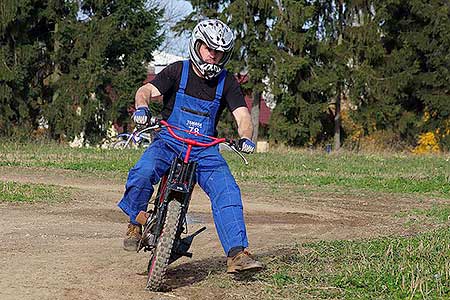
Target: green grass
{"type": "Point", "coordinates": [389, 268]}
{"type": "Point", "coordinates": [51, 155]}
{"type": "Point", "coordinates": [405, 174]}
{"type": "Point", "coordinates": [19, 192]}
{"type": "Point", "coordinates": [439, 213]}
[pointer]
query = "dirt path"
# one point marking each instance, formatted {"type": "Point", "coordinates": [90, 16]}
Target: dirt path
{"type": "Point", "coordinates": [72, 250]}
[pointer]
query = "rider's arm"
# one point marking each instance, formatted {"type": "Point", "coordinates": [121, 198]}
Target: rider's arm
{"type": "Point", "coordinates": [244, 122]}
{"type": "Point", "coordinates": [144, 94]}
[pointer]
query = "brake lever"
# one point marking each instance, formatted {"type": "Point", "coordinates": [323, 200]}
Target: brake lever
{"type": "Point", "coordinates": [233, 147]}
{"type": "Point", "coordinates": [153, 124]}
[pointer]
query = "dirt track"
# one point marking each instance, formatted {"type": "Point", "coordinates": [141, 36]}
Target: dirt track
{"type": "Point", "coordinates": [72, 250]}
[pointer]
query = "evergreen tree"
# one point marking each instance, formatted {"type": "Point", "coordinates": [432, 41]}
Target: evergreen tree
{"type": "Point", "coordinates": [25, 59]}
{"type": "Point", "coordinates": [303, 80]}
{"type": "Point", "coordinates": [74, 64]}
{"type": "Point", "coordinates": [100, 64]}
{"type": "Point", "coordinates": [253, 21]}
{"type": "Point", "coordinates": [417, 39]}
{"type": "Point", "coordinates": [354, 38]}
{"type": "Point", "coordinates": [254, 49]}
{"type": "Point", "coordinates": [401, 72]}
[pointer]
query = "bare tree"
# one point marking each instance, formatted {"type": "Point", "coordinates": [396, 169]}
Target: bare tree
{"type": "Point", "coordinates": [173, 12]}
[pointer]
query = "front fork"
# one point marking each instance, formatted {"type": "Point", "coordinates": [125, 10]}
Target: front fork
{"type": "Point", "coordinates": [176, 185]}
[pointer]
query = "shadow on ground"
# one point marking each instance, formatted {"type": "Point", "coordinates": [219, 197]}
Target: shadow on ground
{"type": "Point", "coordinates": [189, 273]}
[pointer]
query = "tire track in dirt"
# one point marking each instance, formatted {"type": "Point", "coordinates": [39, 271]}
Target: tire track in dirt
{"type": "Point", "coordinates": [72, 250]}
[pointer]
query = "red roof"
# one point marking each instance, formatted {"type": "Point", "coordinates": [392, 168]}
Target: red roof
{"type": "Point", "coordinates": [264, 111]}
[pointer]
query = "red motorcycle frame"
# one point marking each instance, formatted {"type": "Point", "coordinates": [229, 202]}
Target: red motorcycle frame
{"type": "Point", "coordinates": [164, 224]}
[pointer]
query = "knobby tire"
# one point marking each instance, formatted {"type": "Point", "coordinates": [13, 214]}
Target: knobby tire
{"type": "Point", "coordinates": [122, 144]}
{"type": "Point", "coordinates": [160, 259]}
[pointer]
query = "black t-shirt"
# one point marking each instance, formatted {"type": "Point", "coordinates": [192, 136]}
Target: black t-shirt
{"type": "Point", "coordinates": [168, 82]}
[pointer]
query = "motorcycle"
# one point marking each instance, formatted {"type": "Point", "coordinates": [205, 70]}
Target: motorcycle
{"type": "Point", "coordinates": [164, 225]}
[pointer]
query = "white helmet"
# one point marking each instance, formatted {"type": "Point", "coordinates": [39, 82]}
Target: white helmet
{"type": "Point", "coordinates": [216, 35]}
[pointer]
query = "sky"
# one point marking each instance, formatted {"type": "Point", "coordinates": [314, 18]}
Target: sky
{"type": "Point", "coordinates": [174, 11]}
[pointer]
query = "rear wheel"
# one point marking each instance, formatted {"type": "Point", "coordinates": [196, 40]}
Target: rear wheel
{"type": "Point", "coordinates": [121, 144]}
{"type": "Point", "coordinates": [159, 261]}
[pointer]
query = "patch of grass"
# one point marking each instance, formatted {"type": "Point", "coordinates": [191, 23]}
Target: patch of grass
{"type": "Point", "coordinates": [19, 192]}
{"type": "Point", "coordinates": [88, 160]}
{"type": "Point", "coordinates": [404, 174]}
{"type": "Point", "coordinates": [439, 213]}
{"type": "Point", "coordinates": [390, 268]}
{"type": "Point", "coordinates": [281, 278]}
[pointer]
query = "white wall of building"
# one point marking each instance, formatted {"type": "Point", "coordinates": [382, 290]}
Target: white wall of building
{"type": "Point", "coordinates": [162, 60]}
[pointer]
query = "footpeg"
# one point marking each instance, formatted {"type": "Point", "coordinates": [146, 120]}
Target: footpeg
{"type": "Point", "coordinates": [182, 246]}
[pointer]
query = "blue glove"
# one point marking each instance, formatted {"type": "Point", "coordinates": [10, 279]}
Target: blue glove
{"type": "Point", "coordinates": [245, 145]}
{"type": "Point", "coordinates": [142, 116]}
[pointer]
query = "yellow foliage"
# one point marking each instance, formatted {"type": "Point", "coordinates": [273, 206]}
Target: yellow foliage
{"type": "Point", "coordinates": [427, 143]}
{"type": "Point", "coordinates": [354, 130]}
{"type": "Point", "coordinates": [446, 128]}
{"type": "Point", "coordinates": [382, 141]}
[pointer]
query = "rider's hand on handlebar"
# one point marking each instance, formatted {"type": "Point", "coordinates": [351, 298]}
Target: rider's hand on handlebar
{"type": "Point", "coordinates": [142, 116]}
{"type": "Point", "coordinates": [245, 145]}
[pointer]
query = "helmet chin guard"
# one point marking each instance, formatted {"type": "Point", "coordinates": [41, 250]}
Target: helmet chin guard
{"type": "Point", "coordinates": [217, 36]}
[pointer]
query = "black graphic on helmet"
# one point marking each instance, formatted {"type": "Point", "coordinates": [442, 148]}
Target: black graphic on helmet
{"type": "Point", "coordinates": [216, 35]}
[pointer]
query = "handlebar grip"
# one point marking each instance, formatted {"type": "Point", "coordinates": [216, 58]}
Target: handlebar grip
{"type": "Point", "coordinates": [153, 121]}
{"type": "Point", "coordinates": [231, 142]}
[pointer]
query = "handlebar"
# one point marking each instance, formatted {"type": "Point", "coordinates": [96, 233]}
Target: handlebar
{"type": "Point", "coordinates": [155, 123]}
{"type": "Point", "coordinates": [171, 128]}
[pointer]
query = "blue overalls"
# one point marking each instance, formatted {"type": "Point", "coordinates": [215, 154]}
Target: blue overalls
{"type": "Point", "coordinates": [213, 174]}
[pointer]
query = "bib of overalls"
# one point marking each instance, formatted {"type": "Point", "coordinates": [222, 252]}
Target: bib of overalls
{"type": "Point", "coordinates": [194, 114]}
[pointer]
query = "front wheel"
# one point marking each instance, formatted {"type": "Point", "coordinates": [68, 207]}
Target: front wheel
{"type": "Point", "coordinates": [121, 144]}
{"type": "Point", "coordinates": [147, 139]}
{"type": "Point", "coordinates": [159, 261]}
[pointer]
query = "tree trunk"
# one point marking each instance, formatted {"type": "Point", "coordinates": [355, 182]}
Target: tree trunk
{"type": "Point", "coordinates": [337, 122]}
{"type": "Point", "coordinates": [255, 115]}
{"type": "Point", "coordinates": [337, 114]}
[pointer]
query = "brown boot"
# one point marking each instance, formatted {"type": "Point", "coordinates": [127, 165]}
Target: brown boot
{"type": "Point", "coordinates": [131, 241]}
{"type": "Point", "coordinates": [243, 261]}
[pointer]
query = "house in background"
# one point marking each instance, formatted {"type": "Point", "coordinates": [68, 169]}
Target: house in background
{"type": "Point", "coordinates": [159, 62]}
{"type": "Point", "coordinates": [264, 110]}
